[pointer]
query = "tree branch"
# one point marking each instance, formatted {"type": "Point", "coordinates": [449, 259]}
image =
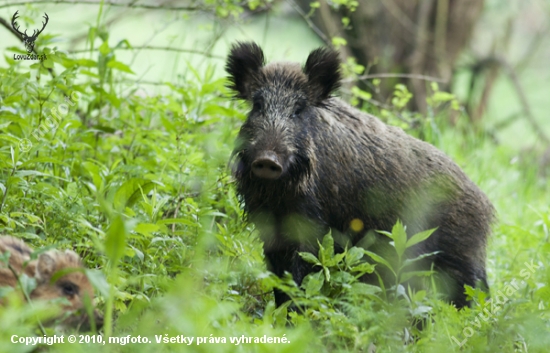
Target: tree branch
{"type": "Point", "coordinates": [528, 114]}
{"type": "Point", "coordinates": [152, 47]}
{"type": "Point", "coordinates": [10, 28]}
{"type": "Point", "coordinates": [110, 3]}
{"type": "Point", "coordinates": [389, 75]}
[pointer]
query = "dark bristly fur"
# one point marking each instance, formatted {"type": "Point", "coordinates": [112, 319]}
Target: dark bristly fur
{"type": "Point", "coordinates": [339, 164]}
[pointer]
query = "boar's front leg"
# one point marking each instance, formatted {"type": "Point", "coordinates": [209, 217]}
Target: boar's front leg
{"type": "Point", "coordinates": [286, 259]}
{"type": "Point", "coordinates": [282, 244]}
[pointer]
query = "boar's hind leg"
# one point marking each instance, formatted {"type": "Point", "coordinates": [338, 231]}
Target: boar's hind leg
{"type": "Point", "coordinates": [454, 274]}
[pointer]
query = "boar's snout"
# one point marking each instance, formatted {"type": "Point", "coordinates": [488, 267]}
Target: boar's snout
{"type": "Point", "coordinates": [267, 165]}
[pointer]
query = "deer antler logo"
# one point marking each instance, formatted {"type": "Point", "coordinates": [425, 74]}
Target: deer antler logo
{"type": "Point", "coordinates": [28, 40]}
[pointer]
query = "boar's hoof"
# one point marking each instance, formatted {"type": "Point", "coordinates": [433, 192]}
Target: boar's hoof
{"type": "Point", "coordinates": [267, 166]}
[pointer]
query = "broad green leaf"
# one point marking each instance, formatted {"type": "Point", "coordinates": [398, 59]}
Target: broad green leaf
{"type": "Point", "coordinates": [309, 257]}
{"type": "Point", "coordinates": [115, 240]}
{"type": "Point", "coordinates": [146, 228]}
{"type": "Point", "coordinates": [326, 249]}
{"type": "Point", "coordinates": [104, 48]}
{"type": "Point", "coordinates": [96, 173]}
{"type": "Point", "coordinates": [364, 289]}
{"type": "Point", "coordinates": [313, 283]}
{"type": "Point", "coordinates": [353, 256]}
{"type": "Point", "coordinates": [86, 62]}
{"type": "Point", "coordinates": [32, 218]}
{"type": "Point", "coordinates": [28, 284]}
{"type": "Point", "coordinates": [131, 191]}
{"type": "Point", "coordinates": [418, 237]}
{"type": "Point", "coordinates": [48, 63]}
{"type": "Point", "coordinates": [117, 65]}
{"type": "Point", "coordinates": [399, 236]}
{"type": "Point", "coordinates": [363, 268]}
{"type": "Point", "coordinates": [380, 260]}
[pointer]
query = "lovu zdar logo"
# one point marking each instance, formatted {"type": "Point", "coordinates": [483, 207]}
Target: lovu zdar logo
{"type": "Point", "coordinates": [28, 39]}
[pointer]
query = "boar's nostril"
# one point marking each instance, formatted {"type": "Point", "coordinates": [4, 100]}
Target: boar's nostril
{"type": "Point", "coordinates": [267, 166]}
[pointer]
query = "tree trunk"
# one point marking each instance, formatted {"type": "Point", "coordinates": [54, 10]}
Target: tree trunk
{"type": "Point", "coordinates": [422, 37]}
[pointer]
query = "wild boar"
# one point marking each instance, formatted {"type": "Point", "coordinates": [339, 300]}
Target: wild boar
{"type": "Point", "coordinates": [72, 285]}
{"type": "Point", "coordinates": [306, 162]}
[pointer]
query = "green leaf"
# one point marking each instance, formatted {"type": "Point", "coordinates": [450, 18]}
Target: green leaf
{"type": "Point", "coordinates": [364, 289]}
{"type": "Point", "coordinates": [338, 42]}
{"type": "Point", "coordinates": [115, 240]}
{"type": "Point", "coordinates": [48, 63]}
{"type": "Point", "coordinates": [353, 256]}
{"type": "Point", "coordinates": [380, 260]}
{"type": "Point", "coordinates": [131, 191]}
{"type": "Point", "coordinates": [117, 65]}
{"type": "Point", "coordinates": [147, 228]}
{"type": "Point", "coordinates": [363, 268]}
{"type": "Point", "coordinates": [280, 314]}
{"type": "Point", "coordinates": [326, 249]}
{"type": "Point", "coordinates": [356, 91]}
{"type": "Point", "coordinates": [28, 284]}
{"type": "Point", "coordinates": [95, 172]}
{"type": "Point", "coordinates": [408, 262]}
{"type": "Point", "coordinates": [32, 218]}
{"type": "Point", "coordinates": [309, 257]}
{"type": "Point", "coordinates": [98, 280]}
{"type": "Point", "coordinates": [313, 283]}
{"type": "Point", "coordinates": [418, 237]}
{"type": "Point", "coordinates": [14, 140]}
{"type": "Point", "coordinates": [86, 62]}
{"type": "Point", "coordinates": [326, 271]}
{"type": "Point", "coordinates": [104, 48]}
{"type": "Point", "coordinates": [399, 238]}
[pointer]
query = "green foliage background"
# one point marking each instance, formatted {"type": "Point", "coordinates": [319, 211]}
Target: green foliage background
{"type": "Point", "coordinates": [138, 185]}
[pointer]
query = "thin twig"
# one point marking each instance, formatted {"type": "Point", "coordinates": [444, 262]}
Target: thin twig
{"type": "Point", "coordinates": [110, 3]}
{"type": "Point", "coordinates": [401, 17]}
{"type": "Point", "coordinates": [528, 114]}
{"type": "Point", "coordinates": [534, 46]}
{"type": "Point", "coordinates": [152, 47]}
{"type": "Point", "coordinates": [309, 22]}
{"type": "Point", "coordinates": [389, 75]}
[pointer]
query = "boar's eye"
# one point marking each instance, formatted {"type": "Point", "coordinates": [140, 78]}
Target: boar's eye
{"type": "Point", "coordinates": [298, 110]}
{"type": "Point", "coordinates": [69, 288]}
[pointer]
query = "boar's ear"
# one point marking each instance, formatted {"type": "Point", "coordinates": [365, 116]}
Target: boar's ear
{"type": "Point", "coordinates": [243, 63]}
{"type": "Point", "coordinates": [323, 71]}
